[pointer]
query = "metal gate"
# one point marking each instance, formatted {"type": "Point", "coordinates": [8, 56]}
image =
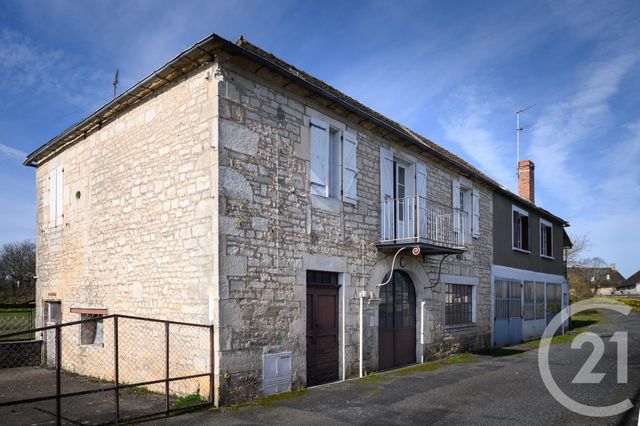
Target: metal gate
{"type": "Point", "coordinates": [154, 367]}
{"type": "Point", "coordinates": [507, 328]}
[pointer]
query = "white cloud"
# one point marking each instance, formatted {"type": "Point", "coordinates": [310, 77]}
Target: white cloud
{"type": "Point", "coordinates": [622, 177]}
{"type": "Point", "coordinates": [28, 66]}
{"type": "Point", "coordinates": [399, 80]}
{"type": "Point", "coordinates": [465, 122]}
{"type": "Point", "coordinates": [12, 153]}
{"type": "Point", "coordinates": [567, 127]}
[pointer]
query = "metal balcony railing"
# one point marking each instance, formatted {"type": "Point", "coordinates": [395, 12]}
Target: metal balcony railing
{"type": "Point", "coordinates": [416, 219]}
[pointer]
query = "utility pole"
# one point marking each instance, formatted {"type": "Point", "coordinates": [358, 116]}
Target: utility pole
{"type": "Point", "coordinates": [518, 130]}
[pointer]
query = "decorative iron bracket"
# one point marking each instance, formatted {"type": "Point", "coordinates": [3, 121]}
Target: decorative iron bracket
{"type": "Point", "coordinates": [433, 284]}
{"type": "Point", "coordinates": [414, 251]}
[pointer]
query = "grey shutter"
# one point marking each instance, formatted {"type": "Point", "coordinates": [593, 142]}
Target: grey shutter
{"type": "Point", "coordinates": [475, 225]}
{"type": "Point", "coordinates": [457, 214]}
{"type": "Point", "coordinates": [319, 175]}
{"type": "Point", "coordinates": [59, 195]}
{"type": "Point", "coordinates": [51, 182]}
{"type": "Point", "coordinates": [421, 193]}
{"type": "Point", "coordinates": [349, 168]}
{"type": "Point", "coordinates": [386, 193]}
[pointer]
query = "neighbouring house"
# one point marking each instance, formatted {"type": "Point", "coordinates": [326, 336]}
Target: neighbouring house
{"type": "Point", "coordinates": [230, 188]}
{"type": "Point", "coordinates": [630, 286]}
{"type": "Point", "coordinates": [528, 271]}
{"type": "Point", "coordinates": [601, 281]}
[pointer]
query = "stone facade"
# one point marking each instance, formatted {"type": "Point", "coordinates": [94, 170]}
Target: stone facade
{"type": "Point", "coordinates": [137, 231]}
{"type": "Point", "coordinates": [195, 206]}
{"type": "Point", "coordinates": [272, 230]}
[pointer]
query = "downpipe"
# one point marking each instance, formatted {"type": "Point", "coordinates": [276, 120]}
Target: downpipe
{"type": "Point", "coordinates": [363, 295]}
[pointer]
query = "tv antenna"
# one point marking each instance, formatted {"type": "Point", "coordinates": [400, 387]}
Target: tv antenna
{"type": "Point", "coordinates": [518, 130]}
{"type": "Point", "coordinates": [115, 83]}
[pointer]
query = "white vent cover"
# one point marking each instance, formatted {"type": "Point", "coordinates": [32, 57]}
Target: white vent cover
{"type": "Point", "coordinates": [276, 373]}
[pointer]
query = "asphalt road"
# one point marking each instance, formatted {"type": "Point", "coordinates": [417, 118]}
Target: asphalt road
{"type": "Point", "coordinates": [495, 390]}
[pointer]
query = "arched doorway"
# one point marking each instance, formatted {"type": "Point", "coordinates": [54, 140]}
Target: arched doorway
{"type": "Point", "coordinates": [397, 322]}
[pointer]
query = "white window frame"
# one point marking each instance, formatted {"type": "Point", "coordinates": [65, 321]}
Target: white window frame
{"type": "Point", "coordinates": [513, 243]}
{"type": "Point", "coordinates": [334, 178]}
{"type": "Point", "coordinates": [334, 185]}
{"type": "Point", "coordinates": [542, 254]}
{"type": "Point", "coordinates": [48, 304]}
{"type": "Point", "coordinates": [466, 206]}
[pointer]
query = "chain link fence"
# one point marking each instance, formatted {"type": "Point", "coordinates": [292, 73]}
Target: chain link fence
{"type": "Point", "coordinates": [123, 367]}
{"type": "Point", "coordinates": [21, 349]}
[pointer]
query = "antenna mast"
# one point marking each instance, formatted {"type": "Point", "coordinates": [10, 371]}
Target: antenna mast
{"type": "Point", "coordinates": [115, 83]}
{"type": "Point", "coordinates": [518, 130]}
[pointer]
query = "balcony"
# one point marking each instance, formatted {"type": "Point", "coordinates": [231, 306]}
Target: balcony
{"type": "Point", "coordinates": [435, 227]}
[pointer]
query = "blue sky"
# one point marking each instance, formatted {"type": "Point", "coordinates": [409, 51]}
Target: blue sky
{"type": "Point", "coordinates": [455, 72]}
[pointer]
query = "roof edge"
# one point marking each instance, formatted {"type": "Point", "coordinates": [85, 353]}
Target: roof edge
{"type": "Point", "coordinates": [213, 39]}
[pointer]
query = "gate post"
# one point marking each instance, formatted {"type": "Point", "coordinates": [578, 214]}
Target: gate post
{"type": "Point", "coordinates": [58, 376]}
{"type": "Point", "coordinates": [211, 365]}
{"type": "Point", "coordinates": [166, 382]}
{"type": "Point", "coordinates": [116, 366]}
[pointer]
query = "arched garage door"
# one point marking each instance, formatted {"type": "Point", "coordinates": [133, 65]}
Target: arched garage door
{"type": "Point", "coordinates": [397, 322]}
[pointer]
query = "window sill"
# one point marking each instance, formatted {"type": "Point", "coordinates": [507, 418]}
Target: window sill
{"type": "Point", "coordinates": [521, 250]}
{"type": "Point", "coordinates": [326, 203]}
{"type": "Point", "coordinates": [92, 345]}
{"type": "Point", "coordinates": [457, 327]}
{"type": "Point", "coordinates": [544, 256]}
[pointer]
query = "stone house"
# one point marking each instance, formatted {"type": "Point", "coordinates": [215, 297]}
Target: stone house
{"type": "Point", "coordinates": [600, 278]}
{"type": "Point", "coordinates": [322, 239]}
{"type": "Point", "coordinates": [630, 286]}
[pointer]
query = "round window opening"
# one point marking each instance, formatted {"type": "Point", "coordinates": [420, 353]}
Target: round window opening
{"type": "Point", "coordinates": [78, 195]}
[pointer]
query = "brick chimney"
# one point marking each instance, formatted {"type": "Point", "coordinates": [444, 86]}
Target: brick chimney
{"type": "Point", "coordinates": [525, 180]}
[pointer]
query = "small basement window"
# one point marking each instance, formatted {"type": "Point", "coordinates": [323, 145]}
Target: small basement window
{"type": "Point", "coordinates": [91, 332]}
{"type": "Point", "coordinates": [53, 312]}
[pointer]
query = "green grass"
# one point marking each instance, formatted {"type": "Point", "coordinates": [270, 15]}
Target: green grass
{"type": "Point", "coordinates": [141, 390]}
{"type": "Point", "coordinates": [578, 323]}
{"type": "Point", "coordinates": [16, 319]}
{"type": "Point", "coordinates": [267, 401]}
{"type": "Point", "coordinates": [500, 352]}
{"type": "Point", "coordinates": [189, 400]}
{"type": "Point", "coordinates": [634, 303]}
{"type": "Point", "coordinates": [455, 359]}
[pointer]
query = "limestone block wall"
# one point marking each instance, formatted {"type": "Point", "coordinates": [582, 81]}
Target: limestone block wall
{"type": "Point", "coordinates": [137, 235]}
{"type": "Point", "coordinates": [272, 230]}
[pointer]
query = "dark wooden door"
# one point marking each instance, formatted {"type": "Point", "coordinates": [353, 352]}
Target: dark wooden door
{"type": "Point", "coordinates": [397, 322]}
{"type": "Point", "coordinates": [322, 333]}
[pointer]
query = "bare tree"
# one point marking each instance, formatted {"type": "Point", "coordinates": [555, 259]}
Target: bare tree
{"type": "Point", "coordinates": [17, 270]}
{"type": "Point", "coordinates": [580, 243]}
{"type": "Point", "coordinates": [589, 275]}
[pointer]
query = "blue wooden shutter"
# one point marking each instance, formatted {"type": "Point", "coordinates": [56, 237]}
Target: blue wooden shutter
{"type": "Point", "coordinates": [475, 224]}
{"type": "Point", "coordinates": [386, 194]}
{"type": "Point", "coordinates": [319, 175]}
{"type": "Point", "coordinates": [349, 168]}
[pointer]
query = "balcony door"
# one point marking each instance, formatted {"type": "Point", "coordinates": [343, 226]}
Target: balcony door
{"type": "Point", "coordinates": [404, 195]}
{"type": "Point", "coordinates": [401, 179]}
